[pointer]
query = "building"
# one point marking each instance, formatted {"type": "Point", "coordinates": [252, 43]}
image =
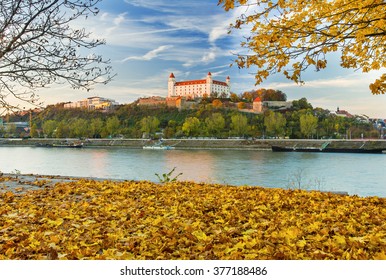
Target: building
{"type": "Point", "coordinates": [198, 88]}
{"type": "Point", "coordinates": [153, 101]}
{"type": "Point", "coordinates": [93, 103]}
{"type": "Point", "coordinates": [343, 113]}
{"type": "Point", "coordinates": [259, 105]}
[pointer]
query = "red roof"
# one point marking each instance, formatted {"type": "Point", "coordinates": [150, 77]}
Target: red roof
{"type": "Point", "coordinates": [198, 82]}
{"type": "Point", "coordinates": [209, 74]}
{"type": "Point", "coordinates": [192, 82]}
{"type": "Point", "coordinates": [257, 99]}
{"type": "Point", "coordinates": [171, 75]}
{"type": "Point", "coordinates": [220, 83]}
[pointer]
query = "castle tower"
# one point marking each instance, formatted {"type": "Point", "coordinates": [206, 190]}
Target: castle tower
{"type": "Point", "coordinates": [209, 83]}
{"type": "Point", "coordinates": [257, 105]}
{"type": "Point", "coordinates": [171, 84]}
{"type": "Point", "coordinates": [228, 81]}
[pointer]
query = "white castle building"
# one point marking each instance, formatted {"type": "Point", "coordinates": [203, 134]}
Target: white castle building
{"type": "Point", "coordinates": [198, 88]}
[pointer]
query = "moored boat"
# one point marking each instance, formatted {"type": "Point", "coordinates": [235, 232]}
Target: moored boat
{"type": "Point", "coordinates": [328, 150]}
{"type": "Point", "coordinates": [158, 147]}
{"type": "Point", "coordinates": [67, 145]}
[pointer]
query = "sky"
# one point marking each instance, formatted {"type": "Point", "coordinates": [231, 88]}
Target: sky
{"type": "Point", "coordinates": [146, 40]}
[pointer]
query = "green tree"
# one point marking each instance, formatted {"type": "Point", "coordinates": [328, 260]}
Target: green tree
{"type": "Point", "coordinates": [80, 128]}
{"type": "Point", "coordinates": [215, 124]}
{"type": "Point", "coordinates": [112, 126]}
{"type": "Point", "coordinates": [49, 127]}
{"type": "Point", "coordinates": [62, 130]}
{"type": "Point", "coordinates": [300, 104]}
{"type": "Point", "coordinates": [34, 131]}
{"type": "Point", "coordinates": [11, 130]}
{"type": "Point", "coordinates": [191, 126]}
{"type": "Point", "coordinates": [170, 130]}
{"type": "Point", "coordinates": [96, 127]}
{"type": "Point", "coordinates": [149, 125]}
{"type": "Point", "coordinates": [275, 123]}
{"type": "Point", "coordinates": [239, 125]}
{"type": "Point", "coordinates": [308, 124]}
{"type": "Point", "coordinates": [291, 36]}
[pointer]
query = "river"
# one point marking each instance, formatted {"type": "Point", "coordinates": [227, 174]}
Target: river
{"type": "Point", "coordinates": [357, 174]}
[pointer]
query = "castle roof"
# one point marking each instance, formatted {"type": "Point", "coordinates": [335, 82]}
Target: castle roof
{"type": "Point", "coordinates": [198, 82]}
{"type": "Point", "coordinates": [257, 99]}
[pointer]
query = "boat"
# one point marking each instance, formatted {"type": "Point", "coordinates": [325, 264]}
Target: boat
{"type": "Point", "coordinates": [67, 145]}
{"type": "Point", "coordinates": [158, 146]}
{"type": "Point", "coordinates": [328, 150]}
{"type": "Point", "coordinates": [294, 149]}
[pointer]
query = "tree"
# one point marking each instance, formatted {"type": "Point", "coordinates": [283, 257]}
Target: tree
{"type": "Point", "coordinates": [217, 103]}
{"type": "Point", "coordinates": [34, 131]}
{"type": "Point", "coordinates": [96, 127]}
{"type": "Point", "coordinates": [215, 124]}
{"type": "Point", "coordinates": [149, 125]}
{"type": "Point", "coordinates": [49, 127]}
{"type": "Point", "coordinates": [273, 95]}
{"type": "Point", "coordinates": [300, 104]}
{"type": "Point", "coordinates": [234, 98]}
{"type": "Point", "coordinates": [274, 123]}
{"type": "Point", "coordinates": [80, 128]}
{"type": "Point", "coordinates": [40, 46]}
{"type": "Point", "coordinates": [62, 130]}
{"type": "Point", "coordinates": [308, 124]}
{"type": "Point", "coordinates": [112, 125]}
{"type": "Point", "coordinates": [191, 126]}
{"type": "Point", "coordinates": [298, 34]}
{"type": "Point", "coordinates": [239, 124]}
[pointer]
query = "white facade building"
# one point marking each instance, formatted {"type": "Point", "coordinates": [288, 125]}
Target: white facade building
{"type": "Point", "coordinates": [93, 103]}
{"type": "Point", "coordinates": [198, 88]}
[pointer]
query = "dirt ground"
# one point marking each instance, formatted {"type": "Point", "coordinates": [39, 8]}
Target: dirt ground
{"type": "Point", "coordinates": [20, 183]}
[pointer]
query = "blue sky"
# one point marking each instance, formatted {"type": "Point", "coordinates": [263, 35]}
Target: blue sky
{"type": "Point", "coordinates": [148, 39]}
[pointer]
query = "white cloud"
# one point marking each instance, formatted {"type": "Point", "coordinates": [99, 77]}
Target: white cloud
{"type": "Point", "coordinates": [120, 19]}
{"type": "Point", "coordinates": [149, 55]}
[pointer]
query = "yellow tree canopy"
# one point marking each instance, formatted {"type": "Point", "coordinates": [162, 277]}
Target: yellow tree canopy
{"type": "Point", "coordinates": [292, 35]}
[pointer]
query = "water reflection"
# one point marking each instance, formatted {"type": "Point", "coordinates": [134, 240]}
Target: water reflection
{"type": "Point", "coordinates": [196, 166]}
{"type": "Point", "coordinates": [99, 161]}
{"type": "Point", "coordinates": [354, 173]}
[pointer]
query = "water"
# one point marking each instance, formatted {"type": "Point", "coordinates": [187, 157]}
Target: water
{"type": "Point", "coordinates": [360, 174]}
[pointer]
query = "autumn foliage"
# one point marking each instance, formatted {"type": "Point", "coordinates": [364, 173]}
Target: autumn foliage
{"type": "Point", "coordinates": [291, 36]}
{"type": "Point", "coordinates": [87, 219]}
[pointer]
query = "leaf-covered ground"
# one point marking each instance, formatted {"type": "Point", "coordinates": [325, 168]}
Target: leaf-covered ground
{"type": "Point", "coordinates": [87, 219]}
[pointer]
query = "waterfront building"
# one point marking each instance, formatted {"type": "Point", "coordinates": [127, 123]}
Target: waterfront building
{"type": "Point", "coordinates": [93, 103]}
{"type": "Point", "coordinates": [198, 88]}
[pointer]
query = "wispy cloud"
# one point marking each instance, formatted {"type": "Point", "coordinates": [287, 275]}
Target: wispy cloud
{"type": "Point", "coordinates": [149, 55]}
{"type": "Point", "coordinates": [148, 39]}
{"type": "Point", "coordinates": [164, 6]}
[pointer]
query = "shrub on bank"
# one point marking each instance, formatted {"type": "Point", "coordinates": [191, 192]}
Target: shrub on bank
{"type": "Point", "coordinates": [87, 219]}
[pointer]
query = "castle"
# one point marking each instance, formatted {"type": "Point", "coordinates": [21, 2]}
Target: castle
{"type": "Point", "coordinates": [198, 88]}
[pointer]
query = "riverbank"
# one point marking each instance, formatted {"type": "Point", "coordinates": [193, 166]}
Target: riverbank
{"type": "Point", "coordinates": [255, 144]}
{"type": "Point", "coordinates": [93, 219]}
